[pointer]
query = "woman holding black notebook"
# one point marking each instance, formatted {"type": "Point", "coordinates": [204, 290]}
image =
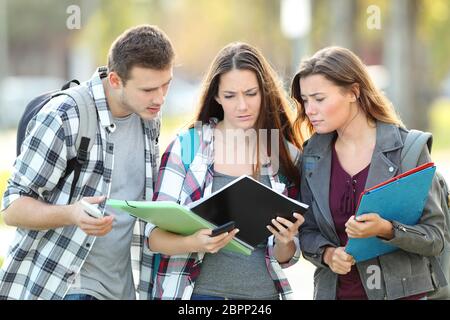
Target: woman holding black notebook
{"type": "Point", "coordinates": [243, 128]}
{"type": "Point", "coordinates": [356, 143]}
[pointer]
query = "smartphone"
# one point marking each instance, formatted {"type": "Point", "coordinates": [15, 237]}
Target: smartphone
{"type": "Point", "coordinates": [227, 227]}
{"type": "Point", "coordinates": [91, 209]}
{"type": "Point", "coordinates": [291, 218]}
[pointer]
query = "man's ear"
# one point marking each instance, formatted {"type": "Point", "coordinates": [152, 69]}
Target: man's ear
{"type": "Point", "coordinates": [114, 80]}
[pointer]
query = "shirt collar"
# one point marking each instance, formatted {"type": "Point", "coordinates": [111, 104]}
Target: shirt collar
{"type": "Point", "coordinates": [95, 84]}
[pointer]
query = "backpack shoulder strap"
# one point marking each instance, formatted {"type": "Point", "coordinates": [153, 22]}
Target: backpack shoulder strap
{"type": "Point", "coordinates": [155, 266]}
{"type": "Point", "coordinates": [413, 146]}
{"type": "Point", "coordinates": [86, 132]}
{"type": "Point", "coordinates": [190, 142]}
{"type": "Point", "coordinates": [88, 115]}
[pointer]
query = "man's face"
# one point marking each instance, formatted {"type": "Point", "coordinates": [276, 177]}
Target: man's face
{"type": "Point", "coordinates": [145, 91]}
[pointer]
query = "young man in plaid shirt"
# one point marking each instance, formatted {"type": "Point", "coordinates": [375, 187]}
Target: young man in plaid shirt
{"type": "Point", "coordinates": [59, 251]}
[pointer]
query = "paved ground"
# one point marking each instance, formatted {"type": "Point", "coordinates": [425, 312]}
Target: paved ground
{"type": "Point", "coordinates": [301, 277]}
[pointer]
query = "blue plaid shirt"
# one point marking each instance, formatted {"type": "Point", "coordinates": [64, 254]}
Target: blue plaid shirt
{"type": "Point", "coordinates": [42, 264]}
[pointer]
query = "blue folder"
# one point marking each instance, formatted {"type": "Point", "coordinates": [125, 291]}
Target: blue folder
{"type": "Point", "coordinates": [401, 198]}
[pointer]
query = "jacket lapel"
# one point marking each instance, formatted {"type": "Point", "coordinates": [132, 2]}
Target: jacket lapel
{"type": "Point", "coordinates": [317, 167]}
{"type": "Point", "coordinates": [385, 161]}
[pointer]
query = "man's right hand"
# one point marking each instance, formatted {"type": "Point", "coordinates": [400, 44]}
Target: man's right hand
{"type": "Point", "coordinates": [91, 226]}
{"type": "Point", "coordinates": [338, 260]}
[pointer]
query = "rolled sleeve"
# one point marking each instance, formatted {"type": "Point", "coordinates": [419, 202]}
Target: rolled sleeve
{"type": "Point", "coordinates": [42, 161]}
{"type": "Point", "coordinates": [295, 258]}
{"type": "Point", "coordinates": [148, 229]}
{"type": "Point", "coordinates": [13, 192]}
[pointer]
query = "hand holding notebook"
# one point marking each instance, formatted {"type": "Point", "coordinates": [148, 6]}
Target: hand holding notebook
{"type": "Point", "coordinates": [401, 199]}
{"type": "Point", "coordinates": [247, 202]}
{"type": "Point", "coordinates": [368, 225]}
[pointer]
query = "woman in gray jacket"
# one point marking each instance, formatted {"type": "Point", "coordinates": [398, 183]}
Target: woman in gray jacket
{"type": "Point", "coordinates": [356, 143]}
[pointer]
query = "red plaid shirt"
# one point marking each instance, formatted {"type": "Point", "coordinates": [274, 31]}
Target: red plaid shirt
{"type": "Point", "coordinates": [176, 275]}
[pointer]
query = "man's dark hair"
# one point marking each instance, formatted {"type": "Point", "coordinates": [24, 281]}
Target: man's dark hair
{"type": "Point", "coordinates": [143, 46]}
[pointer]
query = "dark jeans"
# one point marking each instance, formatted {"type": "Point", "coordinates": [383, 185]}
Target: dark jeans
{"type": "Point", "coordinates": [79, 297]}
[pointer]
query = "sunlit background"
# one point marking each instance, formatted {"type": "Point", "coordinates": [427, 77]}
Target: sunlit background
{"type": "Point", "coordinates": [405, 42]}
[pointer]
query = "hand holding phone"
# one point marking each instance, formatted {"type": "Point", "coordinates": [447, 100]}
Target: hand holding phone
{"type": "Point", "coordinates": [91, 209]}
{"type": "Point", "coordinates": [227, 227]}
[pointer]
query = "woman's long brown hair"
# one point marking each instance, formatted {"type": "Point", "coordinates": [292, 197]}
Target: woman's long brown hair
{"type": "Point", "coordinates": [343, 68]}
{"type": "Point", "coordinates": [275, 111]}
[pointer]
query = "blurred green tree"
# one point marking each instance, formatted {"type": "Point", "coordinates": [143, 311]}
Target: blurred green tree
{"type": "Point", "coordinates": [198, 28]}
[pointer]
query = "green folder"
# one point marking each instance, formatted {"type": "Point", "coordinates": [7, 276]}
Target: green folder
{"type": "Point", "coordinates": [173, 217]}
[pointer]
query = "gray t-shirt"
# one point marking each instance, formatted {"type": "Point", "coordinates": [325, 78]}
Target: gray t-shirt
{"type": "Point", "coordinates": [107, 273]}
{"type": "Point", "coordinates": [233, 275]}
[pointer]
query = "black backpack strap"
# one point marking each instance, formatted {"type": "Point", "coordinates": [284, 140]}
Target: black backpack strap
{"type": "Point", "coordinates": [74, 165]}
{"type": "Point", "coordinates": [67, 85]}
{"type": "Point", "coordinates": [86, 131]}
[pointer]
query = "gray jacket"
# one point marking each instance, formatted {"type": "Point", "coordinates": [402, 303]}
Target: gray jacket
{"type": "Point", "coordinates": [413, 269]}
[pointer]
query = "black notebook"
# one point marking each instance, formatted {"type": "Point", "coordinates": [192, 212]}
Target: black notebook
{"type": "Point", "coordinates": [251, 205]}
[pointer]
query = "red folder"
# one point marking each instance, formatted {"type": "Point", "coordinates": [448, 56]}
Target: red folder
{"type": "Point", "coordinates": [402, 175]}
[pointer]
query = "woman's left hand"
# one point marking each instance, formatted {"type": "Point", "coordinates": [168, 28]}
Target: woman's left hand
{"type": "Point", "coordinates": [368, 225]}
{"type": "Point", "coordinates": [287, 230]}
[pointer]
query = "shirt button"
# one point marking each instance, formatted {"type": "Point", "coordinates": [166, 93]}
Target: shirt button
{"type": "Point", "coordinates": [71, 276]}
{"type": "Point", "coordinates": [391, 169]}
{"type": "Point", "coordinates": [88, 245]}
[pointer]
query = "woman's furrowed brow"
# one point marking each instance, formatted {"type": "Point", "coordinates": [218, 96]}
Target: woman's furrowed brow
{"type": "Point", "coordinates": [247, 90]}
{"type": "Point", "coordinates": [312, 94]}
